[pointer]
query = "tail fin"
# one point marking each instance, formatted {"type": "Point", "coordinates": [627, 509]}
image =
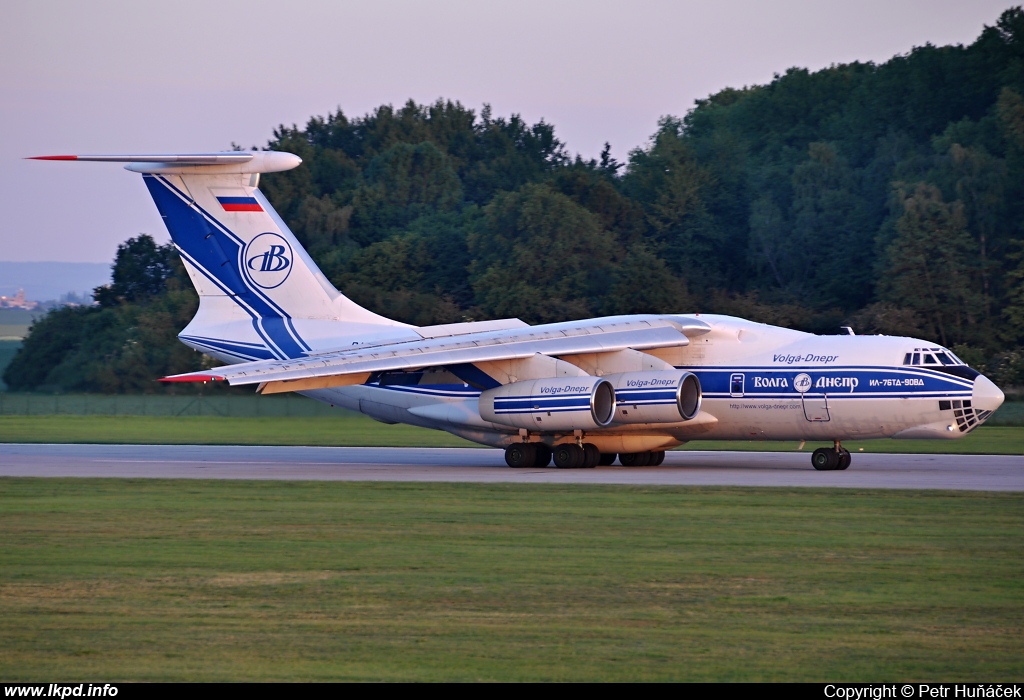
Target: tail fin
{"type": "Point", "coordinates": [261, 295]}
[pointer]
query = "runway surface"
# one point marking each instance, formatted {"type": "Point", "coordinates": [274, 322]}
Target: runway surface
{"type": "Point", "coordinates": [959, 472]}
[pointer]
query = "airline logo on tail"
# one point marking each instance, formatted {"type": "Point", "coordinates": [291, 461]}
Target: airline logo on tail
{"type": "Point", "coordinates": [268, 260]}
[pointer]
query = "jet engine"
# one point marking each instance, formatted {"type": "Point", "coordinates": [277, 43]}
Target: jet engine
{"type": "Point", "coordinates": [655, 397]}
{"type": "Point", "coordinates": [554, 404]}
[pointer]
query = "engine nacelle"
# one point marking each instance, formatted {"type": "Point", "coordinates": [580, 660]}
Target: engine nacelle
{"type": "Point", "coordinates": [554, 404]}
{"type": "Point", "coordinates": [655, 397]}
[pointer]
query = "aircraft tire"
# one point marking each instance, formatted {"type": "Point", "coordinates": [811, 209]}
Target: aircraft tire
{"type": "Point", "coordinates": [592, 456]}
{"type": "Point", "coordinates": [543, 457]}
{"type": "Point", "coordinates": [568, 456]}
{"type": "Point", "coordinates": [519, 455]}
{"type": "Point", "coordinates": [635, 459]}
{"type": "Point", "coordinates": [657, 458]}
{"type": "Point", "coordinates": [607, 459]}
{"type": "Point", "coordinates": [844, 459]}
{"type": "Point", "coordinates": [825, 459]}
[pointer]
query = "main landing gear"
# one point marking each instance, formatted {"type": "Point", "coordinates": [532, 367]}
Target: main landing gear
{"type": "Point", "coordinates": [826, 459]}
{"type": "Point", "coordinates": [573, 456]}
{"type": "Point", "coordinates": [642, 459]}
{"type": "Point", "coordinates": [538, 455]}
{"type": "Point", "coordinates": [528, 454]}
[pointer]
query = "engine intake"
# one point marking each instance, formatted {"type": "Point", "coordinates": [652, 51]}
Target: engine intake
{"type": "Point", "coordinates": [655, 397]}
{"type": "Point", "coordinates": [555, 404]}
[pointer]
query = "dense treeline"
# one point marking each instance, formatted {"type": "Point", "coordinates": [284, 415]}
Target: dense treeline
{"type": "Point", "coordinates": [124, 342]}
{"type": "Point", "coordinates": [890, 197]}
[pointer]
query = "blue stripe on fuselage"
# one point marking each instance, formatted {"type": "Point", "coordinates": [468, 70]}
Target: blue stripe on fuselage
{"type": "Point", "coordinates": [838, 382]}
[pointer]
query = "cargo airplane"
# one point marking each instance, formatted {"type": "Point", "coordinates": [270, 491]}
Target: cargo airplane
{"type": "Point", "coordinates": [580, 393]}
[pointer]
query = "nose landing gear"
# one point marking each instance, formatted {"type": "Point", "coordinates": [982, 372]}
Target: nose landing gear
{"type": "Point", "coordinates": [827, 459]}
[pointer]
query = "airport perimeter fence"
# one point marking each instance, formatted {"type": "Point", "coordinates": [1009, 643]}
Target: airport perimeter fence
{"type": "Point", "coordinates": [17, 404]}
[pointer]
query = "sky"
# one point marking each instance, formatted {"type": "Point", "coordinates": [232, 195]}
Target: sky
{"type": "Point", "coordinates": [111, 76]}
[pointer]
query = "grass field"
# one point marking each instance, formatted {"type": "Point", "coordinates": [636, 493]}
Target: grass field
{"type": "Point", "coordinates": [169, 580]}
{"type": "Point", "coordinates": [352, 429]}
{"type": "Point", "coordinates": [14, 324]}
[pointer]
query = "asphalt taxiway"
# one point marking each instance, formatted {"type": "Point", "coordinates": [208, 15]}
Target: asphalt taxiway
{"type": "Point", "coordinates": [888, 471]}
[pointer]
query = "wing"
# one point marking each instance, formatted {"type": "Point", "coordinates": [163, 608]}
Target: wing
{"type": "Point", "coordinates": [353, 366]}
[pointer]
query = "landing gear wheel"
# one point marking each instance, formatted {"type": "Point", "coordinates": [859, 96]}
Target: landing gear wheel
{"type": "Point", "coordinates": [568, 456]}
{"type": "Point", "coordinates": [519, 455]}
{"type": "Point", "coordinates": [607, 458]}
{"type": "Point", "coordinates": [635, 459]}
{"type": "Point", "coordinates": [657, 458]}
{"type": "Point", "coordinates": [591, 456]}
{"type": "Point", "coordinates": [844, 459]}
{"type": "Point", "coordinates": [825, 459]}
{"type": "Point", "coordinates": [543, 455]}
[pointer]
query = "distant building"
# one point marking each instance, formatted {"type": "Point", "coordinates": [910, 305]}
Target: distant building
{"type": "Point", "coordinates": [18, 301]}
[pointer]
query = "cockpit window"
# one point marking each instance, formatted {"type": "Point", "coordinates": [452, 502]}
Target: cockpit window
{"type": "Point", "coordinates": [931, 356]}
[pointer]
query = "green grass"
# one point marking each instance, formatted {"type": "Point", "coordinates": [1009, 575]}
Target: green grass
{"type": "Point", "coordinates": [347, 428]}
{"type": "Point", "coordinates": [217, 403]}
{"type": "Point", "coordinates": [14, 324]}
{"type": "Point", "coordinates": [1010, 413]}
{"type": "Point", "coordinates": [23, 317]}
{"type": "Point", "coordinates": [355, 430]}
{"type": "Point", "coordinates": [12, 332]}
{"type": "Point", "coordinates": [191, 580]}
{"type": "Point", "coordinates": [983, 440]}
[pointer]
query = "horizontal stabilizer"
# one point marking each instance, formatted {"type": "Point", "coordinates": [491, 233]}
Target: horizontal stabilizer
{"type": "Point", "coordinates": [222, 162]}
{"type": "Point", "coordinates": [186, 158]}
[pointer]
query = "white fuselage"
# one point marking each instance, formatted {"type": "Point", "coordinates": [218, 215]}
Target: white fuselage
{"type": "Point", "coordinates": [759, 382]}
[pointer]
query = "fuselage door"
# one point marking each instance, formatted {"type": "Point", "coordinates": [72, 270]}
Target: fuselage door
{"type": "Point", "coordinates": [816, 408]}
{"type": "Point", "coordinates": [736, 382]}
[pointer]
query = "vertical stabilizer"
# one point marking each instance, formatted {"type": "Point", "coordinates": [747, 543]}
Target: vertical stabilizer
{"type": "Point", "coordinates": [261, 295]}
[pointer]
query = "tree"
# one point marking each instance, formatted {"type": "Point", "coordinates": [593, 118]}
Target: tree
{"type": "Point", "coordinates": [931, 266]}
{"type": "Point", "coordinates": [1013, 311]}
{"type": "Point", "coordinates": [141, 270]}
{"type": "Point", "coordinates": [539, 255]}
{"type": "Point", "coordinates": [828, 251]}
{"type": "Point", "coordinates": [672, 185]}
{"type": "Point", "coordinates": [643, 284]}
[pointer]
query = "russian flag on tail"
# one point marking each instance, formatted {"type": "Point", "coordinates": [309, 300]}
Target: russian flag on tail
{"type": "Point", "coordinates": [239, 204]}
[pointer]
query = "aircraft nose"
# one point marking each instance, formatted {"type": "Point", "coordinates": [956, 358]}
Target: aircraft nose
{"type": "Point", "coordinates": [986, 395]}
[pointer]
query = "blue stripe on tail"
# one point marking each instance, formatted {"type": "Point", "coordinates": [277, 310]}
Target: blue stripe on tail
{"type": "Point", "coordinates": [216, 252]}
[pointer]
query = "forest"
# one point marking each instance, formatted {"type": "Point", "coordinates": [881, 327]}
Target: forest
{"type": "Point", "coordinates": [888, 197]}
